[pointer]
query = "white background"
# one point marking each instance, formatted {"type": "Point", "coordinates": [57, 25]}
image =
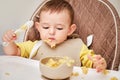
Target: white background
{"type": "Point", "coordinates": [14, 13]}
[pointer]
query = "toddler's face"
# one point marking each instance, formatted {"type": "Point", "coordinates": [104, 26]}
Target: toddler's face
{"type": "Point", "coordinates": [54, 26]}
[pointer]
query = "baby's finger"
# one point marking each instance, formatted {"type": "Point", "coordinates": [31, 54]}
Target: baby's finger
{"type": "Point", "coordinates": [12, 32]}
{"type": "Point", "coordinates": [90, 57]}
{"type": "Point", "coordinates": [11, 37]}
{"type": "Point", "coordinates": [97, 57]}
{"type": "Point", "coordinates": [95, 64]}
{"type": "Point", "coordinates": [8, 36]}
{"type": "Point", "coordinates": [103, 62]}
{"type": "Point", "coordinates": [99, 68]}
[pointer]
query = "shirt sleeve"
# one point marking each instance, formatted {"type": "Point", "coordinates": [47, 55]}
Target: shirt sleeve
{"type": "Point", "coordinates": [25, 48]}
{"type": "Point", "coordinates": [84, 56]}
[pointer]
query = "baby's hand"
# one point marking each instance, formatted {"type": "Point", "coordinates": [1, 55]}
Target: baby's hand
{"type": "Point", "coordinates": [98, 62]}
{"type": "Point", "coordinates": [9, 36]}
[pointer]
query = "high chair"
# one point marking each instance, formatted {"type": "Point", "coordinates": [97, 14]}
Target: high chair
{"type": "Point", "coordinates": [96, 17]}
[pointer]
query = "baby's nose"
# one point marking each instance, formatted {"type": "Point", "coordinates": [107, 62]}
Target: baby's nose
{"type": "Point", "coordinates": [51, 31]}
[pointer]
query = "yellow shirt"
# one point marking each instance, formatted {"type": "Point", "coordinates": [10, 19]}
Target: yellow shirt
{"type": "Point", "coordinates": [26, 48]}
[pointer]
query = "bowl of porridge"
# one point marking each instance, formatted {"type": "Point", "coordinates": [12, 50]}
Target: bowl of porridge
{"type": "Point", "coordinates": [56, 67]}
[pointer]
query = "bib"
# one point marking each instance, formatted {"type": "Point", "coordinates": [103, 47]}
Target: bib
{"type": "Point", "coordinates": [70, 48]}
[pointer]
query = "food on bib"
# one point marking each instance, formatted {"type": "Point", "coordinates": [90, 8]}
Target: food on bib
{"type": "Point", "coordinates": [53, 46]}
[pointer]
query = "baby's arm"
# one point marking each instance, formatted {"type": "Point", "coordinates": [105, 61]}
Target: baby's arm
{"type": "Point", "coordinates": [84, 56]}
{"type": "Point", "coordinates": [10, 48]}
{"type": "Point", "coordinates": [89, 59]}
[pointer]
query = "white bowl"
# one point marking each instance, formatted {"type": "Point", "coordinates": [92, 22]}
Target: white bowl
{"type": "Point", "coordinates": [62, 71]}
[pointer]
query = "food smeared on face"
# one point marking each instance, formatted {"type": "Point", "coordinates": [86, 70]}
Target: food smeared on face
{"type": "Point", "coordinates": [52, 44]}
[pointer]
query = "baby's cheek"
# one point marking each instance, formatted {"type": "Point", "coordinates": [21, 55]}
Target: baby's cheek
{"type": "Point", "coordinates": [43, 36]}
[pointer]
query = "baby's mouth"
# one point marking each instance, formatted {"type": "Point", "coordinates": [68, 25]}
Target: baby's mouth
{"type": "Point", "coordinates": [51, 39]}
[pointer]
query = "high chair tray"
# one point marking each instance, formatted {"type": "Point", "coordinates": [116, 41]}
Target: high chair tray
{"type": "Point", "coordinates": [18, 68]}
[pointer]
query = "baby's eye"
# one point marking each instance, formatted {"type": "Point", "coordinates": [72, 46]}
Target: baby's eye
{"type": "Point", "coordinates": [60, 28]}
{"type": "Point", "coordinates": [45, 27]}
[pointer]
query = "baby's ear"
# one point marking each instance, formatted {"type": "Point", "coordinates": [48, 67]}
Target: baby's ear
{"type": "Point", "coordinates": [37, 24]}
{"type": "Point", "coordinates": [71, 29]}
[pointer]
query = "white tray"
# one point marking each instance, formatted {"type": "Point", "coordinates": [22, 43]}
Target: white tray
{"type": "Point", "coordinates": [18, 68]}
